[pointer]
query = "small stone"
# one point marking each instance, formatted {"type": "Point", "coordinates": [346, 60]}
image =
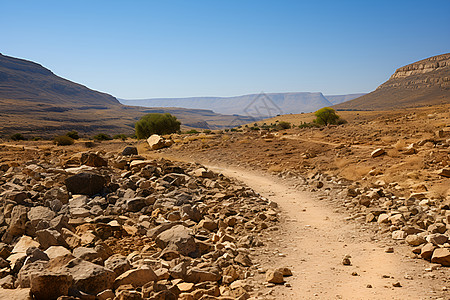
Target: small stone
{"type": "Point", "coordinates": [346, 260]}
{"type": "Point", "coordinates": [377, 152]}
{"type": "Point", "coordinates": [369, 286]}
{"type": "Point", "coordinates": [397, 284]}
{"type": "Point", "coordinates": [274, 276]}
{"type": "Point", "coordinates": [389, 250]}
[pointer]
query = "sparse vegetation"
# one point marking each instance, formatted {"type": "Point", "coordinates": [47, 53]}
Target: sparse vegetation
{"type": "Point", "coordinates": [192, 131]}
{"type": "Point", "coordinates": [18, 137]}
{"type": "Point", "coordinates": [63, 140]}
{"type": "Point", "coordinates": [122, 137]}
{"type": "Point", "coordinates": [283, 125]}
{"type": "Point", "coordinates": [156, 124]}
{"type": "Point", "coordinates": [73, 135]}
{"type": "Point", "coordinates": [309, 125]}
{"type": "Point", "coordinates": [102, 137]}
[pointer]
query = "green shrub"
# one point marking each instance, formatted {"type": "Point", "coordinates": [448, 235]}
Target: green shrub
{"type": "Point", "coordinates": [36, 138]}
{"type": "Point", "coordinates": [326, 116]}
{"type": "Point", "coordinates": [255, 128]}
{"type": "Point", "coordinates": [102, 137]}
{"type": "Point", "coordinates": [122, 137]}
{"type": "Point", "coordinates": [156, 124]}
{"type": "Point", "coordinates": [63, 140]}
{"type": "Point", "coordinates": [207, 131]}
{"type": "Point", "coordinates": [192, 131]}
{"type": "Point", "coordinates": [73, 135]}
{"type": "Point", "coordinates": [18, 137]}
{"type": "Point", "coordinates": [309, 125]}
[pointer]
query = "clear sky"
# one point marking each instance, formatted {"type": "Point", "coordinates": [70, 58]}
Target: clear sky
{"type": "Point", "coordinates": [146, 49]}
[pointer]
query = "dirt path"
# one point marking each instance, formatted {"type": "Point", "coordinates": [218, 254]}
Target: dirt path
{"type": "Point", "coordinates": [313, 240]}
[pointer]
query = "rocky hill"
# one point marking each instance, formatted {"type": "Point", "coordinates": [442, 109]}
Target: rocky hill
{"type": "Point", "coordinates": [266, 105]}
{"type": "Point", "coordinates": [426, 82]}
{"type": "Point", "coordinates": [29, 81]}
{"type": "Point", "coordinates": [36, 102]}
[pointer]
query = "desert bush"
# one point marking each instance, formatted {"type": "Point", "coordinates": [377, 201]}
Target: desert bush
{"type": "Point", "coordinates": [122, 137]}
{"type": "Point", "coordinates": [73, 135]}
{"type": "Point", "coordinates": [309, 125]}
{"type": "Point", "coordinates": [192, 131]}
{"type": "Point", "coordinates": [18, 137]}
{"type": "Point", "coordinates": [156, 124]}
{"type": "Point", "coordinates": [326, 116]}
{"type": "Point", "coordinates": [63, 140]}
{"type": "Point", "coordinates": [36, 138]}
{"type": "Point", "coordinates": [283, 125]}
{"type": "Point", "coordinates": [207, 131]}
{"type": "Point", "coordinates": [102, 137]}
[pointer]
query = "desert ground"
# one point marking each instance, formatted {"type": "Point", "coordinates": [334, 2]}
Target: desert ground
{"type": "Point", "coordinates": [319, 213]}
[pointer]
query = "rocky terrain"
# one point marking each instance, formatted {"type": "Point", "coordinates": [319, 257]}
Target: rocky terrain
{"type": "Point", "coordinates": [114, 225]}
{"type": "Point", "coordinates": [422, 83]}
{"type": "Point", "coordinates": [394, 181]}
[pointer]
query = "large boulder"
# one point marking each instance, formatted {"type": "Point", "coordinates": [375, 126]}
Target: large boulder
{"type": "Point", "coordinates": [157, 142]}
{"type": "Point", "coordinates": [88, 277]}
{"type": "Point", "coordinates": [130, 150]}
{"type": "Point", "coordinates": [18, 220]}
{"type": "Point", "coordinates": [178, 238]}
{"type": "Point", "coordinates": [441, 256]}
{"type": "Point", "coordinates": [85, 183]}
{"type": "Point", "coordinates": [47, 286]}
{"type": "Point", "coordinates": [118, 263]}
{"type": "Point", "coordinates": [93, 160]}
{"type": "Point", "coordinates": [40, 213]}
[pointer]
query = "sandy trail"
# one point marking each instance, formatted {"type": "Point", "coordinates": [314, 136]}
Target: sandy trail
{"type": "Point", "coordinates": [313, 240]}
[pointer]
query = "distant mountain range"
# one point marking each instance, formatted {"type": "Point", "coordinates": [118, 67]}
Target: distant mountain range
{"type": "Point", "coordinates": [36, 102]}
{"type": "Point", "coordinates": [256, 105]}
{"type": "Point", "coordinates": [426, 82]}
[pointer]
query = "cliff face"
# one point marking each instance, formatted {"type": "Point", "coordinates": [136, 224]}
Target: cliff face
{"type": "Point", "coordinates": [424, 66]}
{"type": "Point", "coordinates": [426, 82]}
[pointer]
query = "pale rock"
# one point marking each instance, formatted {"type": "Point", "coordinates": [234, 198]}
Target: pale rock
{"type": "Point", "coordinates": [441, 256]}
{"type": "Point", "coordinates": [377, 152]}
{"type": "Point", "coordinates": [415, 240]}
{"type": "Point", "coordinates": [56, 251]}
{"type": "Point", "coordinates": [136, 277]}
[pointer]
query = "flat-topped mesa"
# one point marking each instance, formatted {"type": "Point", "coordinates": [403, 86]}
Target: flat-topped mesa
{"type": "Point", "coordinates": [424, 66]}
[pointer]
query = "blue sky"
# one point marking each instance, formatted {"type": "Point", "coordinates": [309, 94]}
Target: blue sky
{"type": "Point", "coordinates": [145, 49]}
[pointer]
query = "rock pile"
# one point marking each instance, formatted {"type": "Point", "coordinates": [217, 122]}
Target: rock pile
{"type": "Point", "coordinates": [117, 226]}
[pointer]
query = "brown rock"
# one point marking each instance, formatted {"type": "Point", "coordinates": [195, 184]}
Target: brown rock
{"type": "Point", "coordinates": [93, 160]}
{"type": "Point", "coordinates": [85, 183]}
{"type": "Point", "coordinates": [50, 286]}
{"type": "Point", "coordinates": [427, 251]}
{"type": "Point", "coordinates": [444, 172]}
{"type": "Point", "coordinates": [274, 276]}
{"type": "Point", "coordinates": [136, 277]}
{"type": "Point", "coordinates": [441, 256]}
